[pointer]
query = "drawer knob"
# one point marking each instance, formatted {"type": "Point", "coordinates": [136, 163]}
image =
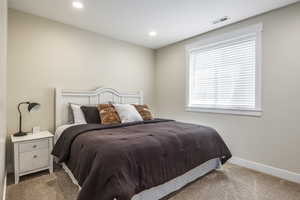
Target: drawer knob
{"type": "Point", "coordinates": [34, 146]}
{"type": "Point", "coordinates": [35, 156]}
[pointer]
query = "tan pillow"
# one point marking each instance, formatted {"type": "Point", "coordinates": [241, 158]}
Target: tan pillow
{"type": "Point", "coordinates": [144, 111]}
{"type": "Point", "coordinates": [108, 114]}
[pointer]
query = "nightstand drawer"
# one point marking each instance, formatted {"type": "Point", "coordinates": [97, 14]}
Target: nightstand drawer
{"type": "Point", "coordinates": [33, 146]}
{"type": "Point", "coordinates": [34, 160]}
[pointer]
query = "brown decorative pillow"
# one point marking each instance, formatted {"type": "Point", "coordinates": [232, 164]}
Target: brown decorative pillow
{"type": "Point", "coordinates": [144, 111]}
{"type": "Point", "coordinates": [108, 114]}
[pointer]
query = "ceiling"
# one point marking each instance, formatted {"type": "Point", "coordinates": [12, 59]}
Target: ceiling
{"type": "Point", "coordinates": [132, 20]}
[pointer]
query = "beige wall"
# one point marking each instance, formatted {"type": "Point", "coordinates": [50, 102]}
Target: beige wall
{"type": "Point", "coordinates": [3, 23]}
{"type": "Point", "coordinates": [44, 54]}
{"type": "Point", "coordinates": [274, 138]}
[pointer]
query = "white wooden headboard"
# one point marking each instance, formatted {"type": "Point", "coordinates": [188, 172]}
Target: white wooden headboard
{"type": "Point", "coordinates": [93, 97]}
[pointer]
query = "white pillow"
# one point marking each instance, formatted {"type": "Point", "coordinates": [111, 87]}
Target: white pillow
{"type": "Point", "coordinates": [127, 113]}
{"type": "Point", "coordinates": [78, 114]}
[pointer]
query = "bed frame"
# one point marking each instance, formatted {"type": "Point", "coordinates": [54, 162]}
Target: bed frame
{"type": "Point", "coordinates": [161, 191]}
{"type": "Point", "coordinates": [104, 95]}
{"type": "Point", "coordinates": [92, 97]}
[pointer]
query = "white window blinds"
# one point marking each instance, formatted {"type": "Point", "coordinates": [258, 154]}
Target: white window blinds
{"type": "Point", "coordinates": [223, 75]}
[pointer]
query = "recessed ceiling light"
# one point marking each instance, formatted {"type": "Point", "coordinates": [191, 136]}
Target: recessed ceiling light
{"type": "Point", "coordinates": [77, 4]}
{"type": "Point", "coordinates": [152, 34]}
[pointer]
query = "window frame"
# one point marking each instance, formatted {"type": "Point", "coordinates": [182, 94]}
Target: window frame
{"type": "Point", "coordinates": [209, 42]}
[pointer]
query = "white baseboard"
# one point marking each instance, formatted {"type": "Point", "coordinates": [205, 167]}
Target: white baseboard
{"type": "Point", "coordinates": [273, 171]}
{"type": "Point", "coordinates": [4, 187]}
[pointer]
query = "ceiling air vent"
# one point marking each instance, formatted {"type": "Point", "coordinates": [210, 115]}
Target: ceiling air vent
{"type": "Point", "coordinates": [223, 19]}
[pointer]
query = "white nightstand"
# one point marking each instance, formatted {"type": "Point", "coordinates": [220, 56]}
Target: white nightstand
{"type": "Point", "coordinates": [32, 153]}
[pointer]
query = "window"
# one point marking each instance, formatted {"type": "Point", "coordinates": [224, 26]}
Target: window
{"type": "Point", "coordinates": [224, 73]}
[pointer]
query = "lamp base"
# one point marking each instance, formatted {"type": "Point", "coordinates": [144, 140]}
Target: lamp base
{"type": "Point", "coordinates": [19, 134]}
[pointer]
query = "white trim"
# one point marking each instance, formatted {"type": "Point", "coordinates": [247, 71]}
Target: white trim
{"type": "Point", "coordinates": [4, 187]}
{"type": "Point", "coordinates": [255, 113]}
{"type": "Point", "coordinates": [256, 30]}
{"type": "Point", "coordinates": [273, 171]}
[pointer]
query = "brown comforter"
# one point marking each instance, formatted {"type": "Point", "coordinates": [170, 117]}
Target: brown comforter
{"type": "Point", "coordinates": [118, 161]}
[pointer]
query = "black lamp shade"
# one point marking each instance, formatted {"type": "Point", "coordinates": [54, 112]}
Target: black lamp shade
{"type": "Point", "coordinates": [33, 106]}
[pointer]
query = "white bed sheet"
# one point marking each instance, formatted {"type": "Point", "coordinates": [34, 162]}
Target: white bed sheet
{"type": "Point", "coordinates": [60, 130]}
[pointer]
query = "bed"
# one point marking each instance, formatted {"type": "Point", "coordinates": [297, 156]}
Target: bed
{"type": "Point", "coordinates": [132, 161]}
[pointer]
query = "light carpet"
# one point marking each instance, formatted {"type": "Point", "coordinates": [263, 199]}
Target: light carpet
{"type": "Point", "coordinates": [233, 183]}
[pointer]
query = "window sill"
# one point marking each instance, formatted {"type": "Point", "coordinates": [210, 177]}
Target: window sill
{"type": "Point", "coordinates": [256, 113]}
